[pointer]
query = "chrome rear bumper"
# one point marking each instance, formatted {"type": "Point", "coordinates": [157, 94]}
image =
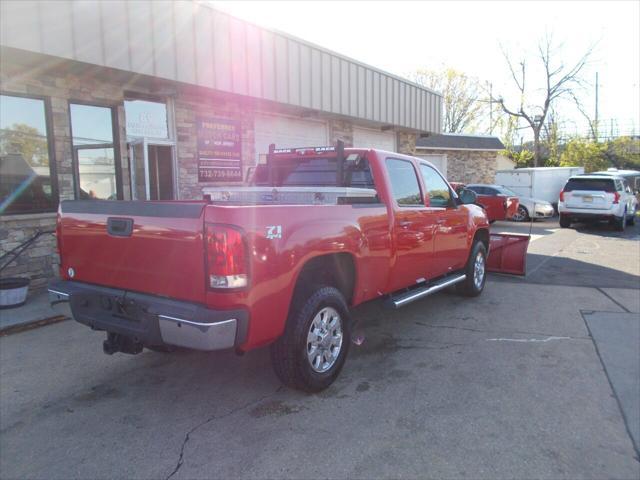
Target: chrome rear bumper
{"type": "Point", "coordinates": [151, 320]}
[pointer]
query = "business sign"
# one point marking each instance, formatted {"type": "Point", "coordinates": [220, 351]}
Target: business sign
{"type": "Point", "coordinates": [219, 150]}
{"type": "Point", "coordinates": [146, 119]}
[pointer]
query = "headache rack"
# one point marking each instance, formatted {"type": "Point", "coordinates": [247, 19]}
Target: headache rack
{"type": "Point", "coordinates": [285, 153]}
{"type": "Point", "coordinates": [267, 192]}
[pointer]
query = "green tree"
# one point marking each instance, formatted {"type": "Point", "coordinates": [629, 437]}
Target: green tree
{"type": "Point", "coordinates": [580, 152]}
{"type": "Point", "coordinates": [624, 153]}
{"type": "Point", "coordinates": [27, 141]}
{"type": "Point", "coordinates": [523, 157]}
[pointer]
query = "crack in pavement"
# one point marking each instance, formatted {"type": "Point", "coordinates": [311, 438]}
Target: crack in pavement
{"type": "Point", "coordinates": [529, 340]}
{"type": "Point", "coordinates": [514, 332]}
{"type": "Point", "coordinates": [419, 343]}
{"type": "Point", "coordinates": [210, 419]}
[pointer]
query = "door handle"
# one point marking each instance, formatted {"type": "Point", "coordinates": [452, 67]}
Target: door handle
{"type": "Point", "coordinates": [441, 221]}
{"type": "Point", "coordinates": [120, 227]}
{"type": "Point", "coordinates": [404, 224]}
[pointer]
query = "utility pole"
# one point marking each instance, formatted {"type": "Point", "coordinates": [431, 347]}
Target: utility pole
{"type": "Point", "coordinates": [595, 128]}
{"type": "Point", "coordinates": [490, 108]}
{"type": "Point", "coordinates": [611, 128]}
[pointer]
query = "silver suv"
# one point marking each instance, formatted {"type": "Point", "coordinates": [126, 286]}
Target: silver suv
{"type": "Point", "coordinates": [597, 197]}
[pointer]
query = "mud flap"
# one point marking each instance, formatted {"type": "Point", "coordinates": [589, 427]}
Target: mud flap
{"type": "Point", "coordinates": [508, 253]}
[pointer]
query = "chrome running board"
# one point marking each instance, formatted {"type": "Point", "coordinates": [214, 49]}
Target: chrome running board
{"type": "Point", "coordinates": [404, 298]}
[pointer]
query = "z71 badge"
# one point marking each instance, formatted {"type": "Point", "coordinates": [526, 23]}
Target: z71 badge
{"type": "Point", "coordinates": [274, 231]}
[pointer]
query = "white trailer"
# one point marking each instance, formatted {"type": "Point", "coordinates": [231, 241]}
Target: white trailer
{"type": "Point", "coordinates": [544, 183]}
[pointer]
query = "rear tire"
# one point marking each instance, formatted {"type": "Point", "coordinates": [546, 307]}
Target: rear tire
{"type": "Point", "coordinates": [620, 223]}
{"type": "Point", "coordinates": [632, 219]}
{"type": "Point", "coordinates": [318, 321]}
{"type": "Point", "coordinates": [476, 271]}
{"type": "Point", "coordinates": [565, 222]}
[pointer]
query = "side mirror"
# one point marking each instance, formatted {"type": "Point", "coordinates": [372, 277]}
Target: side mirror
{"type": "Point", "coordinates": [467, 196]}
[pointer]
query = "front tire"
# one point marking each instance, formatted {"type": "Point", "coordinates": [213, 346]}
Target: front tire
{"type": "Point", "coordinates": [631, 221]}
{"type": "Point", "coordinates": [522, 215]}
{"type": "Point", "coordinates": [476, 271]}
{"type": "Point", "coordinates": [314, 346]}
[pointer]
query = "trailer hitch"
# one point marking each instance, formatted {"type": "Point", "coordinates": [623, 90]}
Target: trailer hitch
{"type": "Point", "coordinates": [119, 343]}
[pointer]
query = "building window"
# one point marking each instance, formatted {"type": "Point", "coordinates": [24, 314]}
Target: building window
{"type": "Point", "coordinates": [27, 171]}
{"type": "Point", "coordinates": [146, 119]}
{"type": "Point", "coordinates": [94, 152]}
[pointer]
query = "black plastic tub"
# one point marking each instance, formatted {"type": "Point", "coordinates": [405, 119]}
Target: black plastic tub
{"type": "Point", "coordinates": [13, 292]}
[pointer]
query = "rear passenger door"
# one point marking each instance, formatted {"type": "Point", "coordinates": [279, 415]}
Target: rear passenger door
{"type": "Point", "coordinates": [451, 241]}
{"type": "Point", "coordinates": [413, 227]}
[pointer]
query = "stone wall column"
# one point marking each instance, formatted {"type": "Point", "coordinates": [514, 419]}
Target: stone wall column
{"type": "Point", "coordinates": [407, 143]}
{"type": "Point", "coordinates": [341, 130]}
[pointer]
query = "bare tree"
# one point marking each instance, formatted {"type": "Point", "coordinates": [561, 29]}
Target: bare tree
{"type": "Point", "coordinates": [464, 98]}
{"type": "Point", "coordinates": [593, 127]}
{"type": "Point", "coordinates": [559, 81]}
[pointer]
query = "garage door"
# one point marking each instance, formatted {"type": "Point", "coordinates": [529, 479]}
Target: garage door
{"type": "Point", "coordinates": [287, 132]}
{"type": "Point", "coordinates": [367, 138]}
{"type": "Point", "coordinates": [440, 162]}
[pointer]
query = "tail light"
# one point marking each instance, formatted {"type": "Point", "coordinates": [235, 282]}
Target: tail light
{"type": "Point", "coordinates": [562, 195]}
{"type": "Point", "coordinates": [227, 260]}
{"type": "Point", "coordinates": [616, 197]}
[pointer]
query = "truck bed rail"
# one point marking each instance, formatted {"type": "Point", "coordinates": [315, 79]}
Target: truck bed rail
{"type": "Point", "coordinates": [290, 195]}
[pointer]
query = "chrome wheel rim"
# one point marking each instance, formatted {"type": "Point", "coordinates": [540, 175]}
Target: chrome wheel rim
{"type": "Point", "coordinates": [519, 215]}
{"type": "Point", "coordinates": [324, 340]}
{"type": "Point", "coordinates": [478, 270]}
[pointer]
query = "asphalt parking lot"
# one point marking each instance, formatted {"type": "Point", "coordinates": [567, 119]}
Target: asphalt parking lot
{"type": "Point", "coordinates": [536, 378]}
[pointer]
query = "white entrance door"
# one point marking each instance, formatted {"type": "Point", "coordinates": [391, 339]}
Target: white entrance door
{"type": "Point", "coordinates": [151, 169]}
{"type": "Point", "coordinates": [287, 132]}
{"type": "Point", "coordinates": [439, 161]}
{"type": "Point", "coordinates": [368, 138]}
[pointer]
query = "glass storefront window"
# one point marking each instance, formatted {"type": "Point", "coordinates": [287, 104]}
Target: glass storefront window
{"type": "Point", "coordinates": [91, 125]}
{"type": "Point", "coordinates": [146, 119]}
{"type": "Point", "coordinates": [94, 151]}
{"type": "Point", "coordinates": [96, 167]}
{"type": "Point", "coordinates": [26, 184]}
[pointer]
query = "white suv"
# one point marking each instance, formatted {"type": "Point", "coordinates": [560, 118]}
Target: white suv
{"type": "Point", "coordinates": [597, 197]}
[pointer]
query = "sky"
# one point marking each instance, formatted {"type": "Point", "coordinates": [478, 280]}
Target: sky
{"type": "Point", "coordinates": [403, 36]}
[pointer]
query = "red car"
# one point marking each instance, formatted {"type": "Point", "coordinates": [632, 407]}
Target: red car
{"type": "Point", "coordinates": [277, 263]}
{"type": "Point", "coordinates": [497, 205]}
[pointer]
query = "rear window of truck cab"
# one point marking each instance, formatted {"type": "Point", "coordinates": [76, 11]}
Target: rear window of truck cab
{"type": "Point", "coordinates": [404, 183]}
{"type": "Point", "coordinates": [591, 184]}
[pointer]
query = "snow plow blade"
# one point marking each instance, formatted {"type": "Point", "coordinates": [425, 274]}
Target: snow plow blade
{"type": "Point", "coordinates": [508, 253]}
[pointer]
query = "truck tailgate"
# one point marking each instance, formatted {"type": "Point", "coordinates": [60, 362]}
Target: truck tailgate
{"type": "Point", "coordinates": [150, 247]}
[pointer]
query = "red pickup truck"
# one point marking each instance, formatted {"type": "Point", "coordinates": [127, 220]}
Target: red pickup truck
{"type": "Point", "coordinates": [280, 262]}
